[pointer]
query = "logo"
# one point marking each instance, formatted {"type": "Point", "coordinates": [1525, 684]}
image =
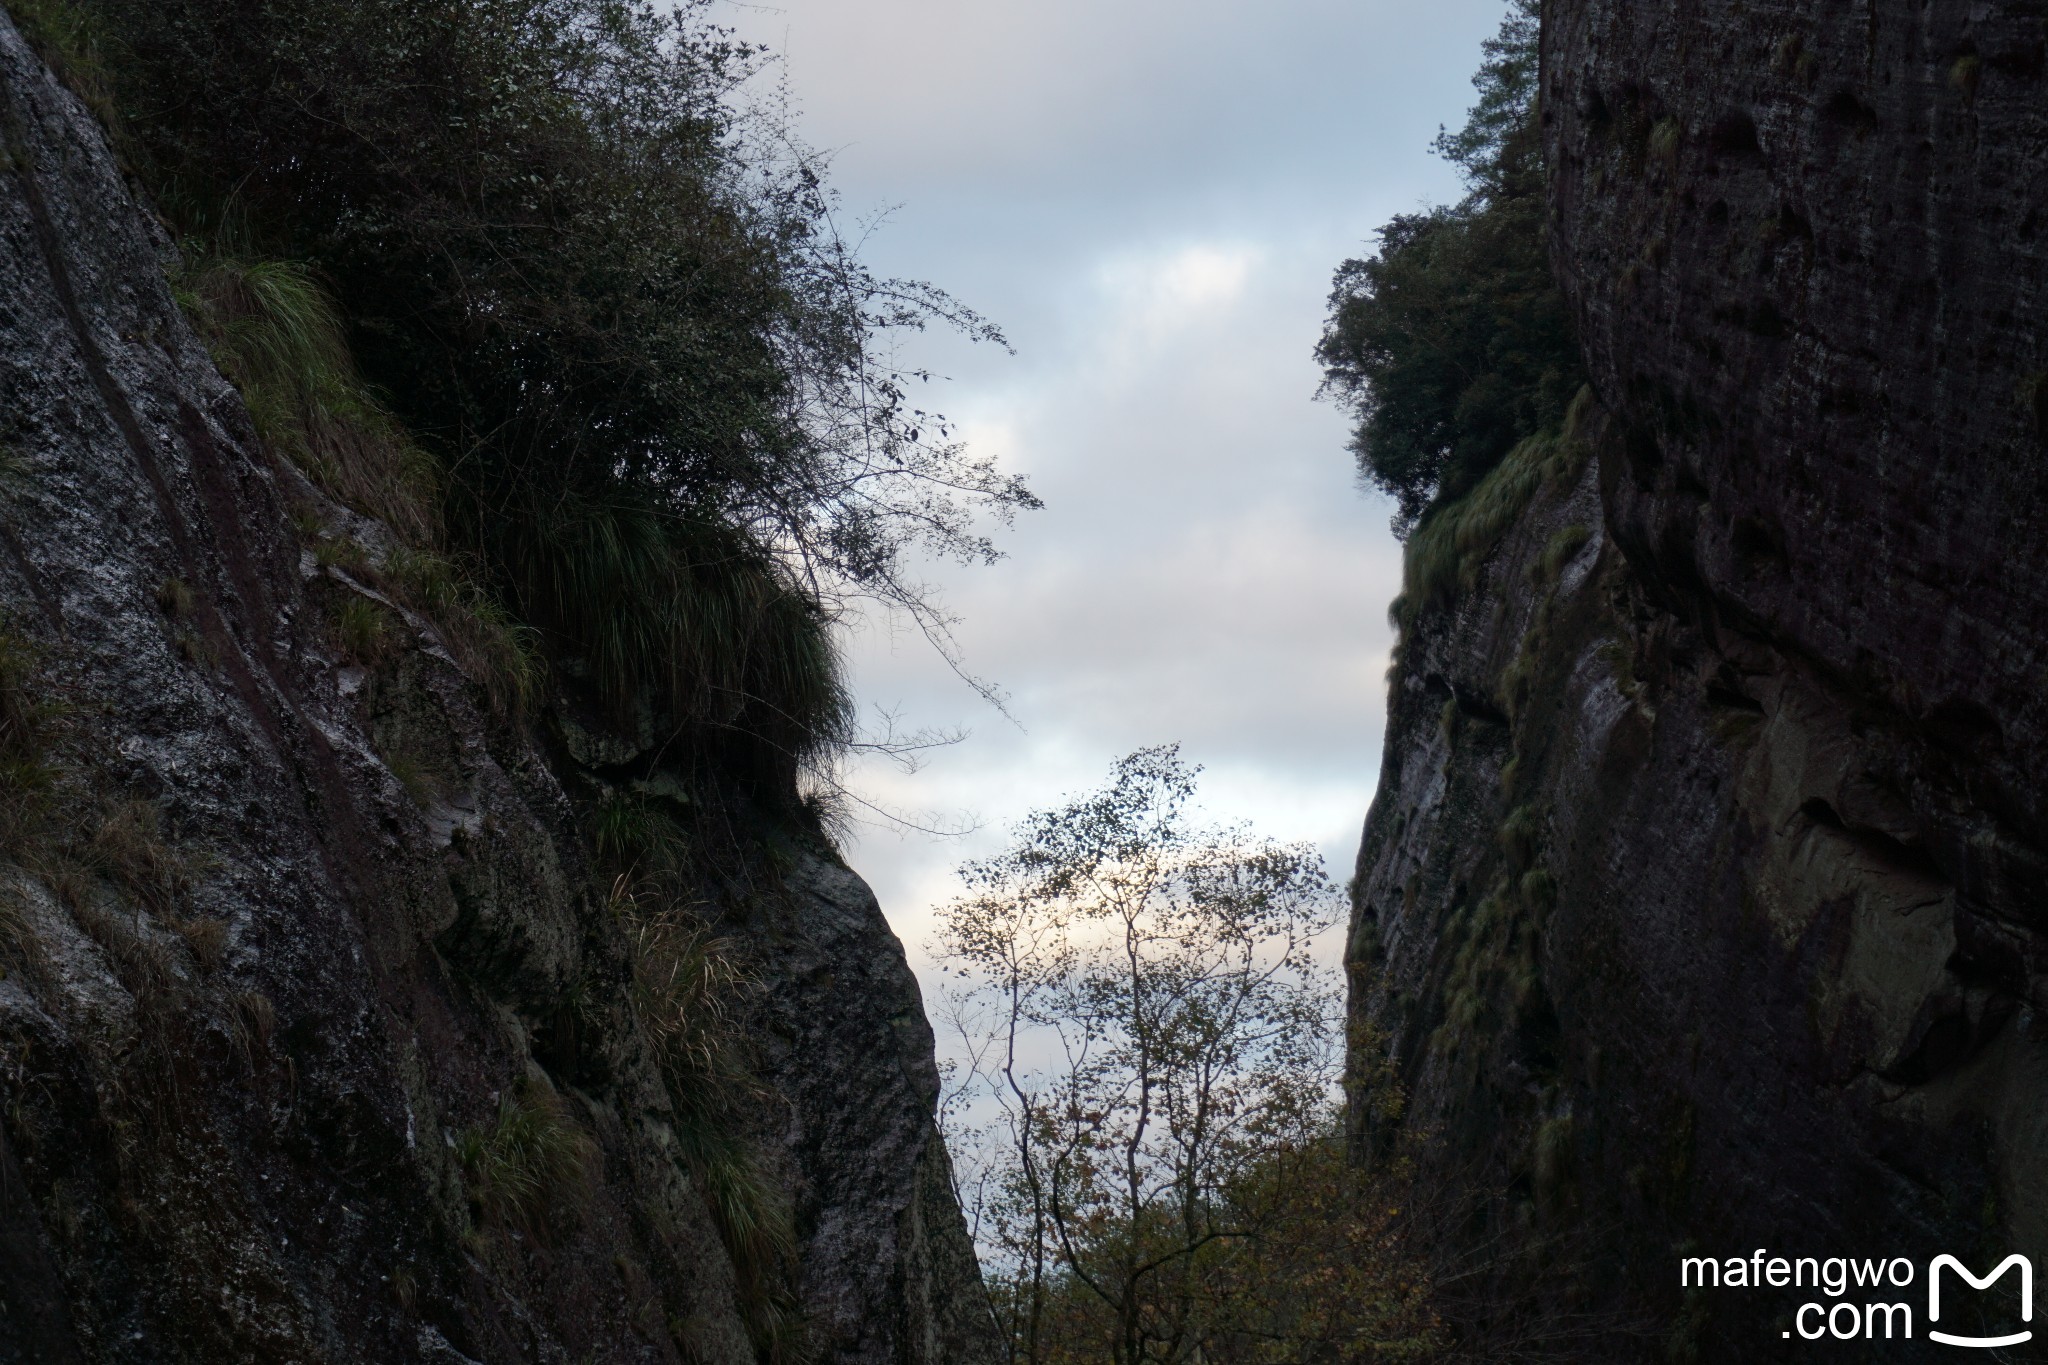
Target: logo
{"type": "Point", "coordinates": [1855, 1289]}
{"type": "Point", "coordinates": [2026, 1298]}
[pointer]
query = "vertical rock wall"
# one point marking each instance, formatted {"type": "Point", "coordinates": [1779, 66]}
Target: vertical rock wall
{"type": "Point", "coordinates": [1702, 905]}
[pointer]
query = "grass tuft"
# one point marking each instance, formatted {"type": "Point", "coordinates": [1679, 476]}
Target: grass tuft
{"type": "Point", "coordinates": [480, 634]}
{"type": "Point", "coordinates": [1563, 548]}
{"type": "Point", "coordinates": [19, 946]}
{"type": "Point", "coordinates": [364, 630]}
{"type": "Point", "coordinates": [130, 849]}
{"type": "Point", "coordinates": [697, 619]}
{"type": "Point", "coordinates": [1450, 547]}
{"type": "Point", "coordinates": [66, 37]}
{"type": "Point", "coordinates": [207, 938]}
{"type": "Point", "coordinates": [26, 715]}
{"type": "Point", "coordinates": [529, 1169]}
{"type": "Point", "coordinates": [174, 598]}
{"type": "Point", "coordinates": [1965, 74]}
{"type": "Point", "coordinates": [275, 331]}
{"type": "Point", "coordinates": [688, 987]}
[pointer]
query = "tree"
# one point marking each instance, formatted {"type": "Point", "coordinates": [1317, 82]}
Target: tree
{"type": "Point", "coordinates": [1152, 1065]}
{"type": "Point", "coordinates": [1453, 343]}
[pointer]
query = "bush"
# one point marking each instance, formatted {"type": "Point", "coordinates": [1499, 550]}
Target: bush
{"type": "Point", "coordinates": [1452, 345]}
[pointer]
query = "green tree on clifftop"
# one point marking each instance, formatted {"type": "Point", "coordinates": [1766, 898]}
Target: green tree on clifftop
{"type": "Point", "coordinates": [1452, 343]}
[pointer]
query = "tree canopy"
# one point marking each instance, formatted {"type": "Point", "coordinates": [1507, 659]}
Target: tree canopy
{"type": "Point", "coordinates": [1452, 343]}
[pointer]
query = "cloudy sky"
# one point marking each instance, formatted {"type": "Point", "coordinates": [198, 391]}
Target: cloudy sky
{"type": "Point", "coordinates": [1149, 197]}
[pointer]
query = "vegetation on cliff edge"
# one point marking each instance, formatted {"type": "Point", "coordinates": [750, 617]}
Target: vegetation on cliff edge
{"type": "Point", "coordinates": [1452, 344]}
{"type": "Point", "coordinates": [604, 298]}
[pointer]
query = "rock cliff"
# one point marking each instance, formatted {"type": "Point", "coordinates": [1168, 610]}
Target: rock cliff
{"type": "Point", "coordinates": [1701, 905]}
{"type": "Point", "coordinates": [294, 944]}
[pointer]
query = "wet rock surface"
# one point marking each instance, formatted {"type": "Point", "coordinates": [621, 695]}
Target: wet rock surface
{"type": "Point", "coordinates": [312, 921]}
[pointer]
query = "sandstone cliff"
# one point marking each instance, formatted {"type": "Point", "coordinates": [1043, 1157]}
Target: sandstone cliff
{"type": "Point", "coordinates": [1700, 908]}
{"type": "Point", "coordinates": [293, 944]}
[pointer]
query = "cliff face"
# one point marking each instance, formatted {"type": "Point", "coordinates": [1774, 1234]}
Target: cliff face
{"type": "Point", "coordinates": [283, 934]}
{"type": "Point", "coordinates": [1708, 913]}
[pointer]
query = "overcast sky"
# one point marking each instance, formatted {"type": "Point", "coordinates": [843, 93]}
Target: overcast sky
{"type": "Point", "coordinates": [1149, 196]}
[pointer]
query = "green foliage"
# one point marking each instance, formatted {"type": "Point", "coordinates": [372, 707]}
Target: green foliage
{"type": "Point", "coordinates": [480, 634]}
{"type": "Point", "coordinates": [616, 312]}
{"type": "Point", "coordinates": [1452, 345]}
{"type": "Point", "coordinates": [1563, 548]}
{"type": "Point", "coordinates": [75, 46]}
{"type": "Point", "coordinates": [1447, 552]}
{"type": "Point", "coordinates": [529, 1168]}
{"type": "Point", "coordinates": [1499, 149]}
{"type": "Point", "coordinates": [695, 614]}
{"type": "Point", "coordinates": [275, 331]}
{"type": "Point", "coordinates": [365, 630]}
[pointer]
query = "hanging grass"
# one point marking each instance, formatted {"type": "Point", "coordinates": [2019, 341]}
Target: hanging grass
{"type": "Point", "coordinates": [1449, 548]}
{"type": "Point", "coordinates": [694, 618]}
{"type": "Point", "coordinates": [686, 986]}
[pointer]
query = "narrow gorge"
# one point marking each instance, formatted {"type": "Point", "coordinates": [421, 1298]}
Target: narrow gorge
{"type": "Point", "coordinates": [433, 463]}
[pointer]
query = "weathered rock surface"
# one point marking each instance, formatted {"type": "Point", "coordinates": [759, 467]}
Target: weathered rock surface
{"type": "Point", "coordinates": [230, 1108]}
{"type": "Point", "coordinates": [1709, 916]}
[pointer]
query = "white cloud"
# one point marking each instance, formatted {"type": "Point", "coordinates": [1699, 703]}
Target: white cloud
{"type": "Point", "coordinates": [1149, 195]}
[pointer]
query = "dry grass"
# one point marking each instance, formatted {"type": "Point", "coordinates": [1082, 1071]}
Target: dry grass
{"type": "Point", "coordinates": [688, 986]}
{"type": "Point", "coordinates": [27, 716]}
{"type": "Point", "coordinates": [207, 938]}
{"type": "Point", "coordinates": [174, 598]}
{"type": "Point", "coordinates": [19, 946]}
{"type": "Point", "coordinates": [130, 849]}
